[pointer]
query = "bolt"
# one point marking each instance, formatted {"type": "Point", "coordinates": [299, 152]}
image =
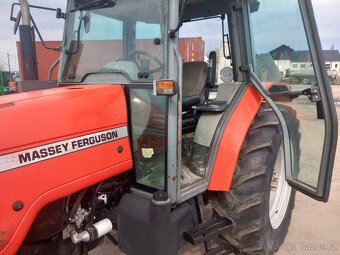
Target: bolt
{"type": "Point", "coordinates": [160, 195]}
{"type": "Point", "coordinates": [120, 149]}
{"type": "Point", "coordinates": [17, 206]}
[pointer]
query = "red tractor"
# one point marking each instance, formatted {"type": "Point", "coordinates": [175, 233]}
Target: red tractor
{"type": "Point", "coordinates": [135, 141]}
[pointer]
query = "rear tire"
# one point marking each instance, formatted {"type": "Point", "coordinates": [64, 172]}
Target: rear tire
{"type": "Point", "coordinates": [260, 216]}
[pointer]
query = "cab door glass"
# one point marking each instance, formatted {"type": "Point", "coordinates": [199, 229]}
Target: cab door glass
{"type": "Point", "coordinates": [149, 133]}
{"type": "Point", "coordinates": [149, 50]}
{"type": "Point", "coordinates": [282, 61]}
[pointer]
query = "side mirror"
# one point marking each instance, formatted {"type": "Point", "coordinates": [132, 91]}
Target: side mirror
{"type": "Point", "coordinates": [226, 51]}
{"type": "Point", "coordinates": [87, 23]}
{"type": "Point", "coordinates": [17, 22]}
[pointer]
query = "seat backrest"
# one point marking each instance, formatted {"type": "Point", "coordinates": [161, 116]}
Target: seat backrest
{"type": "Point", "coordinates": [194, 78]}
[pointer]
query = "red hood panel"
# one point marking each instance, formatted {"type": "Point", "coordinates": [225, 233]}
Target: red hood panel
{"type": "Point", "coordinates": [53, 143]}
{"type": "Point", "coordinates": [31, 118]}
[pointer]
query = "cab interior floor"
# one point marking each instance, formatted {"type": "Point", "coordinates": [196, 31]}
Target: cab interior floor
{"type": "Point", "coordinates": [187, 176]}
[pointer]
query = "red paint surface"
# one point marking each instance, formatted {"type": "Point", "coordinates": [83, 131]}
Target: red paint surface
{"type": "Point", "coordinates": [45, 59]}
{"type": "Point", "coordinates": [232, 140]}
{"type": "Point", "coordinates": [46, 116]}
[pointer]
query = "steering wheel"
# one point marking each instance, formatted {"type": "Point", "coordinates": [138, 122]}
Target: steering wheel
{"type": "Point", "coordinates": [149, 55]}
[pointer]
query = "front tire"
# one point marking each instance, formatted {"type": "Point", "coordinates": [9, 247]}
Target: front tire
{"type": "Point", "coordinates": [260, 201]}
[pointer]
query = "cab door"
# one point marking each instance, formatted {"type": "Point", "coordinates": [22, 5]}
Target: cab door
{"type": "Point", "coordinates": [289, 70]}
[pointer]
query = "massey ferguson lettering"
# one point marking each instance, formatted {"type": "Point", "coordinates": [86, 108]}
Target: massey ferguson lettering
{"type": "Point", "coordinates": [42, 153]}
{"type": "Point", "coordinates": [94, 139]}
{"type": "Point", "coordinates": [48, 151]}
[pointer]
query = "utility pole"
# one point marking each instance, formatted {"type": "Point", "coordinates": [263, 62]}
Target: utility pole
{"type": "Point", "coordinates": [25, 12]}
{"type": "Point", "coordinates": [9, 64]}
{"type": "Point", "coordinates": [332, 50]}
{"type": "Point", "coordinates": [27, 43]}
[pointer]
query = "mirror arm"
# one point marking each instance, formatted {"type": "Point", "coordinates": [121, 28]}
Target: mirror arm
{"type": "Point", "coordinates": [59, 13]}
{"type": "Point", "coordinates": [12, 18]}
{"type": "Point", "coordinates": [41, 39]}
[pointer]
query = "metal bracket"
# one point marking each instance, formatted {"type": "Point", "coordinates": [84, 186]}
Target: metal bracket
{"type": "Point", "coordinates": [237, 6]}
{"type": "Point", "coordinates": [313, 94]}
{"type": "Point", "coordinates": [244, 68]}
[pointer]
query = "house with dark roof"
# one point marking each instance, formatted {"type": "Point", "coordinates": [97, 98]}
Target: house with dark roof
{"type": "Point", "coordinates": [282, 56]}
{"type": "Point", "coordinates": [301, 60]}
{"type": "Point", "coordinates": [332, 60]}
{"type": "Point", "coordinates": [283, 52]}
{"type": "Point", "coordinates": [287, 58]}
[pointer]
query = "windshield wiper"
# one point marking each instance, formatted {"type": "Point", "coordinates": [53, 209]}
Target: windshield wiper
{"type": "Point", "coordinates": [96, 4]}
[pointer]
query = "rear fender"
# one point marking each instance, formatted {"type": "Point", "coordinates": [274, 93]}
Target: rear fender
{"type": "Point", "coordinates": [230, 144]}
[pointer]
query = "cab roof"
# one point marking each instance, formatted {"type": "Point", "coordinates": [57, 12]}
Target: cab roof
{"type": "Point", "coordinates": [206, 8]}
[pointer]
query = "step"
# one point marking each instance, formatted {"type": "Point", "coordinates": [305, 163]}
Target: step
{"type": "Point", "coordinates": [208, 230]}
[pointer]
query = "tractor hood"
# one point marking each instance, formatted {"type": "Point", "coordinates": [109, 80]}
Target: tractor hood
{"type": "Point", "coordinates": [56, 142]}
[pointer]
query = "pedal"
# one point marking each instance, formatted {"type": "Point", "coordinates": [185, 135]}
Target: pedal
{"type": "Point", "coordinates": [207, 230]}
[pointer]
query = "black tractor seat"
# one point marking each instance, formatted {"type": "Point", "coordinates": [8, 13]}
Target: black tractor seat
{"type": "Point", "coordinates": [194, 79]}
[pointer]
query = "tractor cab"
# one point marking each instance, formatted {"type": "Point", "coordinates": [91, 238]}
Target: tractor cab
{"type": "Point", "coordinates": [185, 66]}
{"type": "Point", "coordinates": [147, 45]}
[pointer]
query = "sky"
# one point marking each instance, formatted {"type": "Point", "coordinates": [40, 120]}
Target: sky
{"type": "Point", "coordinates": [50, 27]}
{"type": "Point", "coordinates": [327, 14]}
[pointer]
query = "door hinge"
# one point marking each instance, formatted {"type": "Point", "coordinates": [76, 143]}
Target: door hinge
{"type": "Point", "coordinates": [244, 68]}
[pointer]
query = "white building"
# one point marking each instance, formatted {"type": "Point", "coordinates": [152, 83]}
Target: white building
{"type": "Point", "coordinates": [299, 63]}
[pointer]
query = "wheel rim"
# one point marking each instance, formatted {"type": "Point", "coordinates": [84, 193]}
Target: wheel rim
{"type": "Point", "coordinates": [280, 191]}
